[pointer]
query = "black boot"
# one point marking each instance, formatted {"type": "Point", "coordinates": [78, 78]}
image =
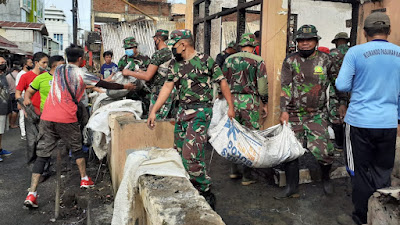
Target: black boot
{"type": "Point", "coordinates": [339, 135]}
{"type": "Point", "coordinates": [210, 198]}
{"type": "Point", "coordinates": [326, 180]}
{"type": "Point", "coordinates": [292, 181]}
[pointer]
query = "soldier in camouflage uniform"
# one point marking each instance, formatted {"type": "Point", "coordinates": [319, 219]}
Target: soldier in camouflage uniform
{"type": "Point", "coordinates": [247, 77]}
{"type": "Point", "coordinates": [136, 59]}
{"type": "Point", "coordinates": [156, 73]}
{"type": "Point", "coordinates": [305, 77]}
{"type": "Point", "coordinates": [230, 49]}
{"type": "Point", "coordinates": [193, 74]}
{"type": "Point", "coordinates": [338, 108]}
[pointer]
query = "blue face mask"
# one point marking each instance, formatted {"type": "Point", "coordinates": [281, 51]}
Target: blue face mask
{"type": "Point", "coordinates": [129, 52]}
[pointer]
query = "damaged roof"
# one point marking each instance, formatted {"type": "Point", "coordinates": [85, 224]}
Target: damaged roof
{"type": "Point", "coordinates": [24, 26]}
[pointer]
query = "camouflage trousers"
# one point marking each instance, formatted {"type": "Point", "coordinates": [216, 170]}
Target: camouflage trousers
{"type": "Point", "coordinates": [312, 129]}
{"type": "Point", "coordinates": [246, 110]}
{"type": "Point", "coordinates": [165, 110]}
{"type": "Point", "coordinates": [190, 139]}
{"type": "Point", "coordinates": [333, 107]}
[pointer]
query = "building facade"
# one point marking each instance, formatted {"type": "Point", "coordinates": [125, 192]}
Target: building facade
{"type": "Point", "coordinates": [58, 28]}
{"type": "Point", "coordinates": [22, 11]}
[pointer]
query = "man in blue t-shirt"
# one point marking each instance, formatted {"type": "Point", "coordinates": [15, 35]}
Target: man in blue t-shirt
{"type": "Point", "coordinates": [371, 72]}
{"type": "Point", "coordinates": [109, 68]}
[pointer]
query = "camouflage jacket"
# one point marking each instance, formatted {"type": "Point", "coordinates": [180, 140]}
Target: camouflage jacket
{"type": "Point", "coordinates": [161, 59]}
{"type": "Point", "coordinates": [305, 82]}
{"type": "Point", "coordinates": [141, 60]}
{"type": "Point", "coordinates": [337, 55]}
{"type": "Point", "coordinates": [246, 74]}
{"type": "Point", "coordinates": [193, 78]}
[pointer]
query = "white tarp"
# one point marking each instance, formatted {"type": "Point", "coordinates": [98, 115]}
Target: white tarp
{"type": "Point", "coordinates": [161, 162]}
{"type": "Point", "coordinates": [98, 122]}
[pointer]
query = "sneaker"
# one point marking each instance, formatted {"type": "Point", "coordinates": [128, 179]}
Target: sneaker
{"type": "Point", "coordinates": [87, 183]}
{"type": "Point", "coordinates": [23, 138]}
{"type": "Point", "coordinates": [5, 153]}
{"type": "Point", "coordinates": [247, 181]}
{"type": "Point", "coordinates": [31, 201]}
{"type": "Point", "coordinates": [235, 175]}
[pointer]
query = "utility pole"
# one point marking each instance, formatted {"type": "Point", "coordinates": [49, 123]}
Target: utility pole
{"type": "Point", "coordinates": [75, 21]}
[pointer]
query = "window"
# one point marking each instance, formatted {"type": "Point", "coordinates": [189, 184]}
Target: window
{"type": "Point", "coordinates": [27, 4]}
{"type": "Point", "coordinates": [59, 38]}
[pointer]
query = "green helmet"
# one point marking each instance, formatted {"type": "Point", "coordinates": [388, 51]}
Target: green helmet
{"type": "Point", "coordinates": [307, 32]}
{"type": "Point", "coordinates": [130, 42]}
{"type": "Point", "coordinates": [248, 39]}
{"type": "Point", "coordinates": [161, 32]}
{"type": "Point", "coordinates": [177, 35]}
{"type": "Point", "coordinates": [341, 35]}
{"type": "Point", "coordinates": [231, 44]}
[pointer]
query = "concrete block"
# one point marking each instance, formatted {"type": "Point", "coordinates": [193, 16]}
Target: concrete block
{"type": "Point", "coordinates": [173, 200]}
{"type": "Point", "coordinates": [384, 207]}
{"type": "Point", "coordinates": [305, 176]}
{"type": "Point", "coordinates": [128, 133]}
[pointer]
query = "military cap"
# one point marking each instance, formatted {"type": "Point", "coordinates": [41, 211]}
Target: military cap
{"type": "Point", "coordinates": [248, 39]}
{"type": "Point", "coordinates": [231, 44]}
{"type": "Point", "coordinates": [130, 42]}
{"type": "Point", "coordinates": [177, 35]}
{"type": "Point", "coordinates": [161, 32]}
{"type": "Point", "coordinates": [307, 32]}
{"type": "Point", "coordinates": [341, 35]}
{"type": "Point", "coordinates": [377, 20]}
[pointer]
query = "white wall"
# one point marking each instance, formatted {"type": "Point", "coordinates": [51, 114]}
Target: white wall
{"type": "Point", "coordinates": [55, 27]}
{"type": "Point", "coordinates": [329, 18]}
{"type": "Point", "coordinates": [27, 40]}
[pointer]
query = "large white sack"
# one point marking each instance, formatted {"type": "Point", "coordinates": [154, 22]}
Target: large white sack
{"type": "Point", "coordinates": [219, 110]}
{"type": "Point", "coordinates": [257, 149]}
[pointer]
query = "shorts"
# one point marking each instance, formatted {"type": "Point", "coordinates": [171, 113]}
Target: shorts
{"type": "Point", "coordinates": [51, 132]}
{"type": "Point", "coordinates": [3, 123]}
{"type": "Point", "coordinates": [14, 106]}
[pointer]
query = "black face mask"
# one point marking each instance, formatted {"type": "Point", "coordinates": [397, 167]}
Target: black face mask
{"type": "Point", "coordinates": [3, 67]}
{"type": "Point", "coordinates": [306, 53]}
{"type": "Point", "coordinates": [178, 56]}
{"type": "Point", "coordinates": [29, 67]}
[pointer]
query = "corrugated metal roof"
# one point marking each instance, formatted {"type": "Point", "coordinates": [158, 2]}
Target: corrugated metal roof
{"type": "Point", "coordinates": [6, 43]}
{"type": "Point", "coordinates": [24, 26]}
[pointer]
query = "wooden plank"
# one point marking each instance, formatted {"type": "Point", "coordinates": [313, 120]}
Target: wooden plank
{"type": "Point", "coordinates": [274, 27]}
{"type": "Point", "coordinates": [189, 15]}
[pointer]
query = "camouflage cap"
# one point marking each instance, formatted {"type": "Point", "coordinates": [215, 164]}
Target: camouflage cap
{"type": "Point", "coordinates": [231, 44]}
{"type": "Point", "coordinates": [377, 20]}
{"type": "Point", "coordinates": [248, 39]}
{"type": "Point", "coordinates": [307, 32]}
{"type": "Point", "coordinates": [130, 42]}
{"type": "Point", "coordinates": [161, 32]}
{"type": "Point", "coordinates": [341, 35]}
{"type": "Point", "coordinates": [177, 35]}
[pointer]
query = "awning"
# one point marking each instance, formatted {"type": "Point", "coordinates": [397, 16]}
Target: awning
{"type": "Point", "coordinates": [14, 50]}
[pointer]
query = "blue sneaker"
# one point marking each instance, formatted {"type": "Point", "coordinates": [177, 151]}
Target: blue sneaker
{"type": "Point", "coordinates": [5, 153]}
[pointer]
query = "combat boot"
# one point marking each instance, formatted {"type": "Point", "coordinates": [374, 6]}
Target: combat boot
{"type": "Point", "coordinates": [235, 174]}
{"type": "Point", "coordinates": [326, 180]}
{"type": "Point", "coordinates": [292, 181]}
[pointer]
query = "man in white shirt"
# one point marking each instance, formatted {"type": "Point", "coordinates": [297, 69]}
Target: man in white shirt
{"type": "Point", "coordinates": [26, 65]}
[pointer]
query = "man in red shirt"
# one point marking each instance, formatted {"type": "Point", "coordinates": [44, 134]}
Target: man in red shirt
{"type": "Point", "coordinates": [40, 61]}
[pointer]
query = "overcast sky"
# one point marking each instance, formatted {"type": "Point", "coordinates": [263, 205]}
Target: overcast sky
{"type": "Point", "coordinates": [84, 10]}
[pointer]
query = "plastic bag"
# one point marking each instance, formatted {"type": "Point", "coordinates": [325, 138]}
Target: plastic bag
{"type": "Point", "coordinates": [253, 148]}
{"type": "Point", "coordinates": [121, 79]}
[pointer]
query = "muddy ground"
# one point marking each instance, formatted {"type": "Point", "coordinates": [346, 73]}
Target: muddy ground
{"type": "Point", "coordinates": [237, 205]}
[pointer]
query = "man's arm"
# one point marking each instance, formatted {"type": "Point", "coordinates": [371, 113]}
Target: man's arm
{"type": "Point", "coordinates": [162, 98]}
{"type": "Point", "coordinates": [344, 82]}
{"type": "Point", "coordinates": [93, 80]}
{"type": "Point", "coordinates": [144, 75]}
{"type": "Point", "coordinates": [286, 92]}
{"type": "Point", "coordinates": [226, 92]}
{"type": "Point", "coordinates": [28, 95]}
{"type": "Point", "coordinates": [262, 86]}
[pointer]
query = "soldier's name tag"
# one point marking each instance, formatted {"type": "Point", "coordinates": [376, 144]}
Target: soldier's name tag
{"type": "Point", "coordinates": [318, 70]}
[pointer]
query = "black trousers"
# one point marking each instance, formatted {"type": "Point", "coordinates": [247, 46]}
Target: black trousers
{"type": "Point", "coordinates": [370, 158]}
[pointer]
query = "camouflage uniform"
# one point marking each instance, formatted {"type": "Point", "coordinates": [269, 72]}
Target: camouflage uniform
{"type": "Point", "coordinates": [143, 62]}
{"type": "Point", "coordinates": [221, 57]}
{"type": "Point", "coordinates": [161, 59]}
{"type": "Point", "coordinates": [304, 85]}
{"type": "Point", "coordinates": [193, 80]}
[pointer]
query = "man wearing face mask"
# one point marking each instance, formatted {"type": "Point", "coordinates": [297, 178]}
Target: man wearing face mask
{"type": "Point", "coordinates": [305, 77]}
{"type": "Point", "coordinates": [133, 56]}
{"type": "Point", "coordinates": [156, 73]}
{"type": "Point", "coordinates": [5, 104]}
{"type": "Point", "coordinates": [192, 73]}
{"type": "Point", "coordinates": [40, 60]}
{"type": "Point", "coordinates": [26, 65]}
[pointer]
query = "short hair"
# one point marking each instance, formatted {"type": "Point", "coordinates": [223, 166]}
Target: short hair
{"type": "Point", "coordinates": [189, 41]}
{"type": "Point", "coordinates": [74, 52]}
{"type": "Point", "coordinates": [372, 31]}
{"type": "Point", "coordinates": [54, 59]}
{"type": "Point", "coordinates": [106, 53]}
{"type": "Point", "coordinates": [39, 56]}
{"type": "Point", "coordinates": [163, 38]}
{"type": "Point", "coordinates": [257, 34]}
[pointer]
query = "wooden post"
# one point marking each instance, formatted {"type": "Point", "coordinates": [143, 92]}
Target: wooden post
{"type": "Point", "coordinates": [189, 15]}
{"type": "Point", "coordinates": [274, 28]}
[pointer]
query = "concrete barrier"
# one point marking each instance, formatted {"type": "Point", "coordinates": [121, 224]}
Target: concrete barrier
{"type": "Point", "coordinates": [384, 207]}
{"type": "Point", "coordinates": [128, 133]}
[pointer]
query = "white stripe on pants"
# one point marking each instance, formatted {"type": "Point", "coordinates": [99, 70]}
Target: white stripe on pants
{"type": "Point", "coordinates": [349, 150]}
{"type": "Point", "coordinates": [22, 122]}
